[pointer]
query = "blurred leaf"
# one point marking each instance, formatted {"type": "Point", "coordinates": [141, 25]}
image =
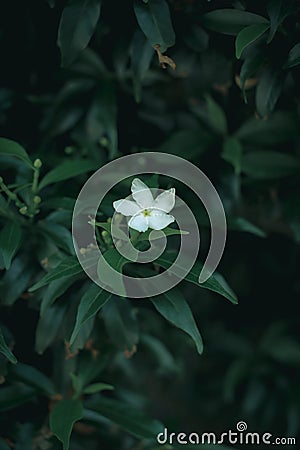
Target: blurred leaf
{"type": "Point", "coordinates": [30, 376]}
{"type": "Point", "coordinates": [10, 239]}
{"type": "Point", "coordinates": [232, 152]}
{"type": "Point", "coordinates": [15, 395]}
{"type": "Point", "coordinates": [193, 276]}
{"type": "Point", "coordinates": [293, 57]}
{"type": "Point", "coordinates": [60, 235]}
{"type": "Point", "coordinates": [48, 327]}
{"type": "Point", "coordinates": [67, 268]}
{"type": "Point", "coordinates": [77, 25]}
{"type": "Point", "coordinates": [196, 141]}
{"type": "Point", "coordinates": [173, 307]}
{"type": "Point", "coordinates": [55, 289]}
{"type": "Point", "coordinates": [91, 302]}
{"type": "Point", "coordinates": [66, 170]}
{"type": "Point", "coordinates": [248, 35]}
{"type": "Point", "coordinates": [216, 115]}
{"type": "Point", "coordinates": [141, 55]}
{"type": "Point", "coordinates": [126, 416]}
{"type": "Point", "coordinates": [3, 445]}
{"type": "Point", "coordinates": [268, 91]}
{"type": "Point", "coordinates": [196, 38]}
{"type": "Point", "coordinates": [253, 62]}
{"type": "Point", "coordinates": [241, 224]}
{"type": "Point", "coordinates": [16, 280]}
{"type": "Point", "coordinates": [155, 22]}
{"type": "Point", "coordinates": [163, 357]}
{"type": "Point", "coordinates": [97, 387]}
{"type": "Point", "coordinates": [269, 164]}
{"type": "Point", "coordinates": [121, 324]}
{"type": "Point", "coordinates": [278, 128]}
{"type": "Point", "coordinates": [11, 148]}
{"type": "Point", "coordinates": [62, 418]}
{"type": "Point", "coordinates": [5, 350]}
{"type": "Point", "coordinates": [230, 21]}
{"type": "Point", "coordinates": [278, 10]}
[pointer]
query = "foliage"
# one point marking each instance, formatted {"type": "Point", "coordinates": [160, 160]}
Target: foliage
{"type": "Point", "coordinates": [84, 82]}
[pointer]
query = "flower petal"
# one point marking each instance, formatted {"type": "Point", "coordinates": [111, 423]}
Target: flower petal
{"type": "Point", "coordinates": [159, 220]}
{"type": "Point", "coordinates": [139, 222]}
{"type": "Point", "coordinates": [141, 193]}
{"type": "Point", "coordinates": [165, 201]}
{"type": "Point", "coordinates": [126, 207]}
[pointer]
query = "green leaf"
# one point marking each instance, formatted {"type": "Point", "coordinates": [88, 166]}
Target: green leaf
{"type": "Point", "coordinates": [32, 377]}
{"type": "Point", "coordinates": [66, 170]}
{"type": "Point", "coordinates": [293, 57]}
{"type": "Point", "coordinates": [141, 55]}
{"type": "Point", "coordinates": [97, 387]}
{"type": "Point", "coordinates": [126, 416]}
{"type": "Point", "coordinates": [11, 148]}
{"type": "Point", "coordinates": [15, 395]}
{"type": "Point", "coordinates": [269, 164]}
{"type": "Point", "coordinates": [216, 115]}
{"type": "Point", "coordinates": [173, 306]}
{"type": "Point", "coordinates": [55, 289]}
{"type": "Point", "coordinates": [155, 22]}
{"type": "Point", "coordinates": [268, 91]}
{"type": "Point", "coordinates": [3, 445]}
{"type": "Point", "coordinates": [120, 322]}
{"type": "Point", "coordinates": [232, 152]}
{"type": "Point", "coordinates": [251, 65]}
{"type": "Point", "coordinates": [230, 21]}
{"type": "Point", "coordinates": [92, 301]}
{"type": "Point", "coordinates": [59, 234]}
{"type": "Point", "coordinates": [16, 279]}
{"type": "Point", "coordinates": [67, 268]}
{"type": "Point", "coordinates": [168, 231]}
{"type": "Point", "coordinates": [77, 26]}
{"type": "Point", "coordinates": [117, 262]}
{"type": "Point", "coordinates": [213, 284]}
{"type": "Point", "coordinates": [278, 10]}
{"type": "Point", "coordinates": [10, 238]}
{"type": "Point", "coordinates": [48, 327]}
{"type": "Point", "coordinates": [62, 418]}
{"type": "Point", "coordinates": [5, 350]}
{"type": "Point", "coordinates": [248, 35]}
{"type": "Point", "coordinates": [196, 141]}
{"type": "Point", "coordinates": [241, 224]}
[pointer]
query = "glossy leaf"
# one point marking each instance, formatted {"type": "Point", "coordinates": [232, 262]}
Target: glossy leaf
{"type": "Point", "coordinates": [90, 304]}
{"type": "Point", "coordinates": [77, 26]}
{"type": "Point", "coordinates": [193, 276]}
{"type": "Point", "coordinates": [155, 22]}
{"type": "Point", "coordinates": [62, 418]}
{"type": "Point", "coordinates": [230, 21]}
{"type": "Point", "coordinates": [173, 307]}
{"type": "Point", "coordinates": [248, 35]}
{"type": "Point", "coordinates": [5, 350]}
{"type": "Point", "coordinates": [66, 170]}
{"type": "Point", "coordinates": [126, 416]}
{"type": "Point", "coordinates": [12, 148]}
{"type": "Point", "coordinates": [10, 238]}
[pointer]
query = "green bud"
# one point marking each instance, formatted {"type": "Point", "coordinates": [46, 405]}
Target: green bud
{"type": "Point", "coordinates": [37, 199]}
{"type": "Point", "coordinates": [23, 210]}
{"type": "Point", "coordinates": [104, 142]}
{"type": "Point", "coordinates": [106, 237]}
{"type": "Point", "coordinates": [37, 164]}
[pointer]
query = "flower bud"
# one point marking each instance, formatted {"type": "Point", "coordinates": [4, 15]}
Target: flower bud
{"type": "Point", "coordinates": [23, 210]}
{"type": "Point", "coordinates": [37, 164]}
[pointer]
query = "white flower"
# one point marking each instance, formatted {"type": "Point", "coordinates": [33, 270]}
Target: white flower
{"type": "Point", "coordinates": [145, 211]}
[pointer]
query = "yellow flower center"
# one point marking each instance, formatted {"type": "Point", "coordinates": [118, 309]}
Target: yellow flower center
{"type": "Point", "coordinates": [146, 212]}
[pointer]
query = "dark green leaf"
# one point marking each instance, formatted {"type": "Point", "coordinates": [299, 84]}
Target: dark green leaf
{"type": "Point", "coordinates": [216, 115]}
{"type": "Point", "coordinates": [55, 289]}
{"type": "Point", "coordinates": [66, 170]}
{"type": "Point", "coordinates": [97, 387]}
{"type": "Point", "coordinates": [196, 38]}
{"type": "Point", "coordinates": [32, 377]}
{"type": "Point", "coordinates": [3, 445]}
{"type": "Point", "coordinates": [248, 35]}
{"type": "Point", "coordinates": [77, 26]}
{"type": "Point", "coordinates": [173, 306]}
{"type": "Point", "coordinates": [294, 57]}
{"type": "Point", "coordinates": [10, 238]}
{"type": "Point", "coordinates": [16, 280]}
{"type": "Point", "coordinates": [126, 416]}
{"type": "Point", "coordinates": [268, 91]}
{"type": "Point", "coordinates": [62, 418]}
{"type": "Point", "coordinates": [230, 21]}
{"type": "Point", "coordinates": [141, 54]}
{"type": "Point", "coordinates": [59, 234]}
{"type": "Point", "coordinates": [155, 22]}
{"type": "Point", "coordinates": [15, 395]}
{"type": "Point", "coordinates": [48, 327]}
{"type": "Point", "coordinates": [193, 276]}
{"type": "Point", "coordinates": [269, 164]}
{"type": "Point", "coordinates": [121, 323]}
{"type": "Point", "coordinates": [196, 141]}
{"type": "Point", "coordinates": [5, 350]}
{"type": "Point", "coordinates": [232, 152]}
{"type": "Point", "coordinates": [92, 301]}
{"type": "Point", "coordinates": [11, 148]}
{"type": "Point", "coordinates": [241, 224]}
{"type": "Point", "coordinates": [278, 10]}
